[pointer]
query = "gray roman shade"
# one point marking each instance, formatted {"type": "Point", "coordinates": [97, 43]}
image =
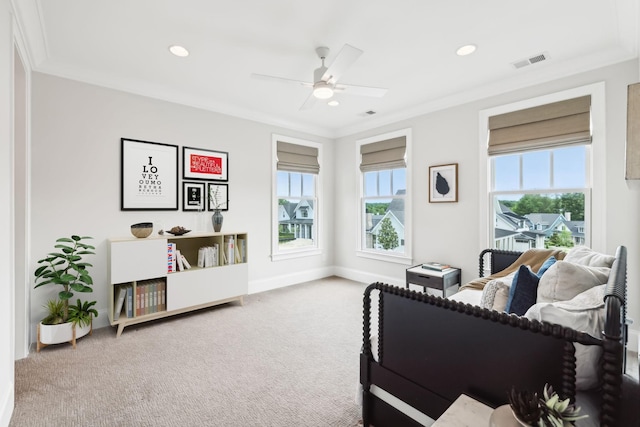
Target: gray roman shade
{"type": "Point", "coordinates": [546, 126]}
{"type": "Point", "coordinates": [297, 158]}
{"type": "Point", "coordinates": [387, 154]}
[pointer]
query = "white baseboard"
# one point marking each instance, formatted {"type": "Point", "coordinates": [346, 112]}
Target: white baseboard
{"type": "Point", "coordinates": [364, 277]}
{"type": "Point", "coordinates": [256, 286]}
{"type": "Point", "coordinates": [6, 405]}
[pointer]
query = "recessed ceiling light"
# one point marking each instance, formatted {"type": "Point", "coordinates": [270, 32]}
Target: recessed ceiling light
{"type": "Point", "coordinates": [178, 50]}
{"type": "Point", "coordinates": [333, 103]}
{"type": "Point", "coordinates": [466, 50]}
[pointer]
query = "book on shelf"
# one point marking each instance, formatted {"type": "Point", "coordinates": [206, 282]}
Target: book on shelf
{"type": "Point", "coordinates": [163, 298]}
{"type": "Point", "coordinates": [437, 266]}
{"type": "Point", "coordinates": [120, 297]}
{"type": "Point", "coordinates": [185, 263]}
{"type": "Point", "coordinates": [207, 256]}
{"type": "Point", "coordinates": [138, 293]}
{"type": "Point", "coordinates": [129, 301]}
{"type": "Point", "coordinates": [242, 245]}
{"type": "Point", "coordinates": [229, 250]}
{"type": "Point", "coordinates": [179, 262]}
{"type": "Point", "coordinates": [171, 257]}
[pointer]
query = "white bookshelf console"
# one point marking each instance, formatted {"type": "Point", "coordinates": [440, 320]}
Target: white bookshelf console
{"type": "Point", "coordinates": [134, 263]}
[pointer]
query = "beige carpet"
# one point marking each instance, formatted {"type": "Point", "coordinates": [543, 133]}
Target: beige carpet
{"type": "Point", "coordinates": [288, 357]}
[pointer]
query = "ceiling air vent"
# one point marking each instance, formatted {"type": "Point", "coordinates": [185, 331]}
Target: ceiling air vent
{"type": "Point", "coordinates": [532, 60]}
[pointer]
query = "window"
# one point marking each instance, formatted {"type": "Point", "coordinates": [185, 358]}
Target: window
{"type": "Point", "coordinates": [535, 204]}
{"type": "Point", "coordinates": [539, 165]}
{"type": "Point", "coordinates": [297, 168]}
{"type": "Point", "coordinates": [384, 226]}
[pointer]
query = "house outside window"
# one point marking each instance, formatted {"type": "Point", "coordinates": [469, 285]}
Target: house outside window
{"type": "Point", "coordinates": [295, 195]}
{"type": "Point", "coordinates": [384, 225]}
{"type": "Point", "coordinates": [540, 187]}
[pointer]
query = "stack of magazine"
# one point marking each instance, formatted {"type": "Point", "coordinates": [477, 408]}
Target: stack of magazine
{"type": "Point", "coordinates": [437, 266]}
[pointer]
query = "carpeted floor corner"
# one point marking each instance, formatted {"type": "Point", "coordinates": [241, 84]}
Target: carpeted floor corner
{"type": "Point", "coordinates": [287, 357]}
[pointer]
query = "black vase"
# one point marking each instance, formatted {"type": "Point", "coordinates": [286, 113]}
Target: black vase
{"type": "Point", "coordinates": [216, 220]}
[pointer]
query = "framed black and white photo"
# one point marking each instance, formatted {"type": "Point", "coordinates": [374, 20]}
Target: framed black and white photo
{"type": "Point", "coordinates": [194, 196]}
{"type": "Point", "coordinates": [148, 175]}
{"type": "Point", "coordinates": [198, 163]}
{"type": "Point", "coordinates": [218, 196]}
{"type": "Point", "coordinates": [443, 183]}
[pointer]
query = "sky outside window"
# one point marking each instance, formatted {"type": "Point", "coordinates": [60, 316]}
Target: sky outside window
{"type": "Point", "coordinates": [569, 169]}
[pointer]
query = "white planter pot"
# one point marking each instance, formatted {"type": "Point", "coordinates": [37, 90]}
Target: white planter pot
{"type": "Point", "coordinates": [56, 334]}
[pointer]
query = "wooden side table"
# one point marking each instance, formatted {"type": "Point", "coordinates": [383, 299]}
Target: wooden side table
{"type": "Point", "coordinates": [446, 282]}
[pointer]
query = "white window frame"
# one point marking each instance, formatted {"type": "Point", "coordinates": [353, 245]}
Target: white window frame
{"type": "Point", "coordinates": [405, 258]}
{"type": "Point", "coordinates": [595, 206]}
{"type": "Point", "coordinates": [316, 249]}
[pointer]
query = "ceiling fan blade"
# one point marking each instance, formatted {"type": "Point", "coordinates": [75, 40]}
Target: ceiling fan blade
{"type": "Point", "coordinates": [309, 103]}
{"type": "Point", "coordinates": [346, 57]}
{"type": "Point", "coordinates": [281, 80]}
{"type": "Point", "coordinates": [377, 92]}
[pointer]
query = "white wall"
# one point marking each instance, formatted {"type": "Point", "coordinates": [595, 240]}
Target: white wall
{"type": "Point", "coordinates": [449, 232]}
{"type": "Point", "coordinates": [76, 131]}
{"type": "Point", "coordinates": [7, 349]}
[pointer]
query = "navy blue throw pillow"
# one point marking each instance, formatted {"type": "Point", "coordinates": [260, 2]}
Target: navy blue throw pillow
{"type": "Point", "coordinates": [523, 292]}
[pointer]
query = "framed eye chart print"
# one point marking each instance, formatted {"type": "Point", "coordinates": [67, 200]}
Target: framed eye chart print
{"type": "Point", "coordinates": [148, 175]}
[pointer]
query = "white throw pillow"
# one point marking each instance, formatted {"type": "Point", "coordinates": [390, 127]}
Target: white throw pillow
{"type": "Point", "coordinates": [501, 298]}
{"type": "Point", "coordinates": [491, 287]}
{"type": "Point", "coordinates": [584, 313]}
{"type": "Point", "coordinates": [564, 280]}
{"type": "Point", "coordinates": [584, 255]}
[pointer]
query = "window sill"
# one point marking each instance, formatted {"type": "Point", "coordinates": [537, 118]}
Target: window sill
{"type": "Point", "coordinates": [295, 254]}
{"type": "Point", "coordinates": [398, 259]}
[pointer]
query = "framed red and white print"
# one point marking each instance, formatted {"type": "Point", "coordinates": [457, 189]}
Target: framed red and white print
{"type": "Point", "coordinates": [198, 163]}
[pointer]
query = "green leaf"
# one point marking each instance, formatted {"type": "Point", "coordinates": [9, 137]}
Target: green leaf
{"type": "Point", "coordinates": [46, 282]}
{"type": "Point", "coordinates": [68, 277]}
{"type": "Point", "coordinates": [40, 270]}
{"type": "Point", "coordinates": [562, 405]}
{"type": "Point", "coordinates": [65, 295]}
{"type": "Point", "coordinates": [79, 287]}
{"type": "Point", "coordinates": [64, 239]}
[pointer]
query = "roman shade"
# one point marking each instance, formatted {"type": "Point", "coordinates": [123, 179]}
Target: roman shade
{"type": "Point", "coordinates": [387, 154]}
{"type": "Point", "coordinates": [297, 158]}
{"type": "Point", "coordinates": [546, 126]}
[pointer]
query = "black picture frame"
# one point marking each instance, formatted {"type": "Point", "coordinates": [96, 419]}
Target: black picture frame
{"type": "Point", "coordinates": [207, 165]}
{"type": "Point", "coordinates": [223, 199]}
{"type": "Point", "coordinates": [194, 196]}
{"type": "Point", "coordinates": [148, 176]}
{"type": "Point", "coordinates": [443, 183]}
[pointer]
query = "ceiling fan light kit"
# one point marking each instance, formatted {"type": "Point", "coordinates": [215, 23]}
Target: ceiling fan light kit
{"type": "Point", "coordinates": [322, 90]}
{"type": "Point", "coordinates": [325, 79]}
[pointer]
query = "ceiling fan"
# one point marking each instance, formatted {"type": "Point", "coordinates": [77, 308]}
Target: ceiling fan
{"type": "Point", "coordinates": [325, 79]}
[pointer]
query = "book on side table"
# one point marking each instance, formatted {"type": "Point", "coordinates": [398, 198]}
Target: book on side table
{"type": "Point", "coordinates": [437, 266]}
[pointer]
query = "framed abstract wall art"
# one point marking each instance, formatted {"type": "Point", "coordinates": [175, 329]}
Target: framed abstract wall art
{"type": "Point", "coordinates": [194, 196]}
{"type": "Point", "coordinates": [198, 163]}
{"type": "Point", "coordinates": [443, 183]}
{"type": "Point", "coordinates": [148, 175]}
{"type": "Point", "coordinates": [218, 196]}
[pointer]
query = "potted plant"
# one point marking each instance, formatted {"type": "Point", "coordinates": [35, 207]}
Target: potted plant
{"type": "Point", "coordinates": [66, 322]}
{"type": "Point", "coordinates": [548, 410]}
